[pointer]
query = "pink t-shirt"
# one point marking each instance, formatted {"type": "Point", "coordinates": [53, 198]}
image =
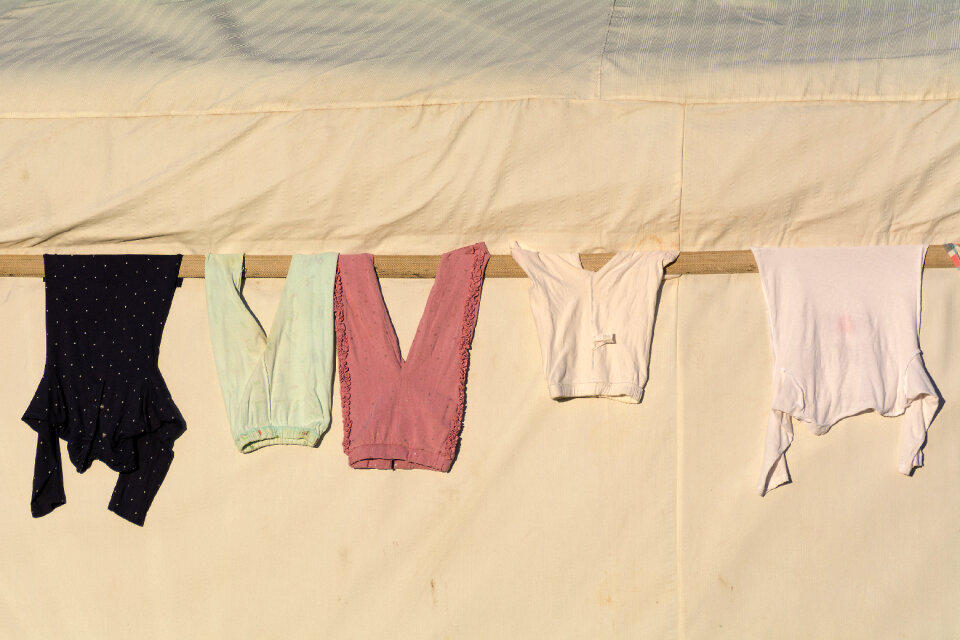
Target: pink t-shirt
{"type": "Point", "coordinates": [405, 413]}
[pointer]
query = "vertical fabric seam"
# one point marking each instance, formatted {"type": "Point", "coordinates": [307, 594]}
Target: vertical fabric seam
{"type": "Point", "coordinates": [603, 52]}
{"type": "Point", "coordinates": [679, 441]}
{"type": "Point", "coordinates": [683, 143]}
{"type": "Point", "coordinates": [679, 388]}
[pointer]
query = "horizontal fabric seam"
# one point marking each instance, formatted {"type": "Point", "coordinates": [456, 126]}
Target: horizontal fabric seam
{"type": "Point", "coordinates": [395, 105]}
{"type": "Point", "coordinates": [567, 384]}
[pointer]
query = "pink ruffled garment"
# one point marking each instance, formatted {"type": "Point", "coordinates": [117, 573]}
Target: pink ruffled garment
{"type": "Point", "coordinates": [405, 413]}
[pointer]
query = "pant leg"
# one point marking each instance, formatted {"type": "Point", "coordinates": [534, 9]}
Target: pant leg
{"type": "Point", "coordinates": [135, 490]}
{"type": "Point", "coordinates": [48, 493]}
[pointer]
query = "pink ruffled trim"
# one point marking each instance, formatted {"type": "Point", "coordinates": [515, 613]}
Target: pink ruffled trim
{"type": "Point", "coordinates": [470, 312]}
{"type": "Point", "coordinates": [343, 351]}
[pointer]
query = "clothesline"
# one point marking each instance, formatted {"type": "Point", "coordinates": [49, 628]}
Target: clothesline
{"type": "Point", "coordinates": [425, 266]}
{"type": "Point", "coordinates": [105, 317]}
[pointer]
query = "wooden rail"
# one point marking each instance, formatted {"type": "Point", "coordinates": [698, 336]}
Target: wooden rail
{"type": "Point", "coordinates": [500, 266]}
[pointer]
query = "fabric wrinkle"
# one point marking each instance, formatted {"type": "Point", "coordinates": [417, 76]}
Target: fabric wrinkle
{"type": "Point", "coordinates": [102, 391]}
{"type": "Point", "coordinates": [277, 388]}
{"type": "Point", "coordinates": [406, 412]}
{"type": "Point", "coordinates": [595, 329]}
{"type": "Point", "coordinates": [846, 348]}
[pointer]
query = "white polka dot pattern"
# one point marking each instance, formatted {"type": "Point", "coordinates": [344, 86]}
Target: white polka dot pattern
{"type": "Point", "coordinates": [102, 391]}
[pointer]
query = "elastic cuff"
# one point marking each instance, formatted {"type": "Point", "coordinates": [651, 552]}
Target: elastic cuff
{"type": "Point", "coordinates": [259, 437]}
{"type": "Point", "coordinates": [622, 391]}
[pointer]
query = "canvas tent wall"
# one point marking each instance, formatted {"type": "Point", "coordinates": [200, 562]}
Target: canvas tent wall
{"type": "Point", "coordinates": [417, 127]}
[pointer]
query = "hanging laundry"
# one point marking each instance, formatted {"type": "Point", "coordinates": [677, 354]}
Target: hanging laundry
{"type": "Point", "coordinates": [405, 413]}
{"type": "Point", "coordinates": [277, 387]}
{"type": "Point", "coordinates": [845, 327]}
{"type": "Point", "coordinates": [954, 253]}
{"type": "Point", "coordinates": [595, 327]}
{"type": "Point", "coordinates": [101, 389]}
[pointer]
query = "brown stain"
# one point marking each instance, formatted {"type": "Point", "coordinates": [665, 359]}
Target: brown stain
{"type": "Point", "coordinates": [25, 176]}
{"type": "Point", "coordinates": [433, 592]}
{"type": "Point", "coordinates": [604, 599]}
{"type": "Point", "coordinates": [724, 582]}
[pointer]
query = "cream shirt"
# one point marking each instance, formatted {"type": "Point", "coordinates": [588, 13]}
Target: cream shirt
{"type": "Point", "coordinates": [595, 327]}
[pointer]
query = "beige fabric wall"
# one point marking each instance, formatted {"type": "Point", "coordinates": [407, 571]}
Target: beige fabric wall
{"type": "Point", "coordinates": [850, 549]}
{"type": "Point", "coordinates": [403, 127]}
{"type": "Point", "coordinates": [586, 518]}
{"type": "Point", "coordinates": [557, 520]}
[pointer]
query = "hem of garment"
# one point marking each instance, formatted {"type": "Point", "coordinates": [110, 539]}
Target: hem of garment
{"type": "Point", "coordinates": [776, 472]}
{"type": "Point", "coordinates": [822, 429]}
{"type": "Point", "coordinates": [38, 509]}
{"type": "Point", "coordinates": [397, 456]}
{"type": "Point", "coordinates": [47, 509]}
{"type": "Point", "coordinates": [621, 391]}
{"type": "Point", "coordinates": [135, 517]}
{"type": "Point", "coordinates": [819, 429]}
{"type": "Point", "coordinates": [917, 389]}
{"type": "Point", "coordinates": [777, 479]}
{"type": "Point", "coordinates": [58, 419]}
{"type": "Point", "coordinates": [260, 437]}
{"type": "Point", "coordinates": [904, 399]}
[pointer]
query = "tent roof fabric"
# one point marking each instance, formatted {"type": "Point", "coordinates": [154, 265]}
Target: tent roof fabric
{"type": "Point", "coordinates": [111, 58]}
{"type": "Point", "coordinates": [411, 127]}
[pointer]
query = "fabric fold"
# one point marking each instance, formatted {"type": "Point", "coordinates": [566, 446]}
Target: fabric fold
{"type": "Point", "coordinates": [406, 413]}
{"type": "Point", "coordinates": [102, 391]}
{"type": "Point", "coordinates": [845, 332]}
{"type": "Point", "coordinates": [595, 327]}
{"type": "Point", "coordinates": [278, 387]}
